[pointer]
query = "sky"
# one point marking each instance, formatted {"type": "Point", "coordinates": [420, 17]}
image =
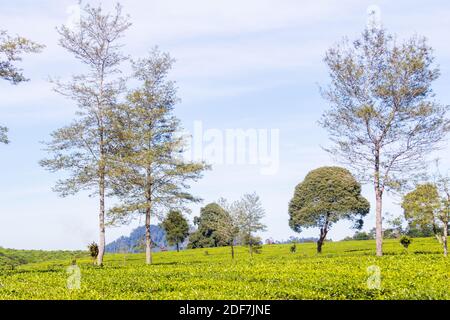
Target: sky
{"type": "Point", "coordinates": [252, 65]}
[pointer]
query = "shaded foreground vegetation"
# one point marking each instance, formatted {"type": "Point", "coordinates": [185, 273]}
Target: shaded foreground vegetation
{"type": "Point", "coordinates": [420, 272]}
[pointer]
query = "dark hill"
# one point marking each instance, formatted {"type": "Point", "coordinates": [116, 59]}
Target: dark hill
{"type": "Point", "coordinates": [134, 243]}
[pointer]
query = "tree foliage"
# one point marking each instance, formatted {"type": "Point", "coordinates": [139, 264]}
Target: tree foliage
{"type": "Point", "coordinates": [93, 250]}
{"type": "Point", "coordinates": [176, 227]}
{"type": "Point", "coordinates": [11, 51]}
{"type": "Point", "coordinates": [405, 241]}
{"type": "Point", "coordinates": [210, 231]}
{"type": "Point", "coordinates": [85, 148]}
{"type": "Point", "coordinates": [249, 213]}
{"type": "Point", "coordinates": [383, 114]}
{"type": "Point", "coordinates": [4, 135]}
{"type": "Point", "coordinates": [324, 197]}
{"type": "Point", "coordinates": [228, 224]}
{"type": "Point", "coordinates": [421, 207]}
{"type": "Point", "coordinates": [228, 227]}
{"type": "Point", "coordinates": [150, 175]}
{"type": "Point", "coordinates": [428, 207]}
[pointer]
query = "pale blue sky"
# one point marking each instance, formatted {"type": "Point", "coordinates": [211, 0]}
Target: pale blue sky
{"type": "Point", "coordinates": [240, 64]}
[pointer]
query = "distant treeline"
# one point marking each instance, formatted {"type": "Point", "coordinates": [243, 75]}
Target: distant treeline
{"type": "Point", "coordinates": [11, 258]}
{"type": "Point", "coordinates": [291, 240]}
{"type": "Point", "coordinates": [392, 233]}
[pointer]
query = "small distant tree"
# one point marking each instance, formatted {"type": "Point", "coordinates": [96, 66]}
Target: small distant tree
{"type": "Point", "coordinates": [227, 227]}
{"type": "Point", "coordinates": [93, 251]}
{"type": "Point", "coordinates": [11, 51]}
{"type": "Point", "coordinates": [361, 235]}
{"type": "Point", "coordinates": [425, 208]}
{"type": "Point", "coordinates": [293, 248]}
{"type": "Point", "coordinates": [249, 213]}
{"type": "Point", "coordinates": [420, 207]}
{"type": "Point", "coordinates": [394, 228]}
{"type": "Point", "coordinates": [325, 196]}
{"type": "Point", "coordinates": [405, 241]}
{"type": "Point", "coordinates": [256, 243]}
{"type": "Point", "coordinates": [443, 186]}
{"type": "Point", "coordinates": [176, 227]}
{"type": "Point", "coordinates": [207, 223]}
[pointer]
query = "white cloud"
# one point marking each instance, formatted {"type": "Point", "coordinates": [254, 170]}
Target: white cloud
{"type": "Point", "coordinates": [163, 20]}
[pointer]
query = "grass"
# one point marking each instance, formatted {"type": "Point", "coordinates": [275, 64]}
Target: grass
{"type": "Point", "coordinates": [11, 258]}
{"type": "Point", "coordinates": [340, 272]}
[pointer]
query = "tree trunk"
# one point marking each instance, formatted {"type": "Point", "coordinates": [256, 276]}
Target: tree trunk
{"type": "Point", "coordinates": [232, 251]}
{"type": "Point", "coordinates": [148, 247]}
{"type": "Point", "coordinates": [323, 235]}
{"type": "Point", "coordinates": [444, 238]}
{"type": "Point", "coordinates": [178, 247]}
{"type": "Point", "coordinates": [101, 171]}
{"type": "Point", "coordinates": [378, 206]}
{"type": "Point", "coordinates": [379, 219]}
{"type": "Point", "coordinates": [437, 234]}
{"type": "Point", "coordinates": [250, 247]}
{"type": "Point", "coordinates": [319, 246]}
{"type": "Point", "coordinates": [101, 244]}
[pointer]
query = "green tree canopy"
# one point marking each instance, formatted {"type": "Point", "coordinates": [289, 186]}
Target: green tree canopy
{"type": "Point", "coordinates": [206, 235]}
{"type": "Point", "coordinates": [250, 212]}
{"type": "Point", "coordinates": [383, 118]}
{"type": "Point", "coordinates": [11, 51]}
{"type": "Point", "coordinates": [325, 196]}
{"type": "Point", "coordinates": [428, 207]}
{"type": "Point", "coordinates": [176, 227]}
{"type": "Point", "coordinates": [421, 206]}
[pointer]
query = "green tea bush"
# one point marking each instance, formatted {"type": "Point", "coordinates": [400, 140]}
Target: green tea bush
{"type": "Point", "coordinates": [293, 248]}
{"type": "Point", "coordinates": [405, 241]}
{"type": "Point", "coordinates": [93, 250]}
{"type": "Point", "coordinates": [273, 274]}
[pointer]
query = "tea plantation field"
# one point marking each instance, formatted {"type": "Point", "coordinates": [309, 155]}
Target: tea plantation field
{"type": "Point", "coordinates": [341, 272]}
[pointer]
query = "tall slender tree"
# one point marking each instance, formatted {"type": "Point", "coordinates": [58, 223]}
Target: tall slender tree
{"type": "Point", "coordinates": [84, 148]}
{"type": "Point", "coordinates": [383, 118]}
{"type": "Point", "coordinates": [249, 213]}
{"type": "Point", "coordinates": [228, 227]}
{"type": "Point", "coordinates": [153, 177]}
{"type": "Point", "coordinates": [11, 51]}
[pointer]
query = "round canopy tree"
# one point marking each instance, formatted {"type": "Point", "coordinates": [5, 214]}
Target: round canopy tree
{"type": "Point", "coordinates": [176, 227]}
{"type": "Point", "coordinates": [426, 208]}
{"type": "Point", "coordinates": [327, 195]}
{"type": "Point", "coordinates": [206, 235]}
